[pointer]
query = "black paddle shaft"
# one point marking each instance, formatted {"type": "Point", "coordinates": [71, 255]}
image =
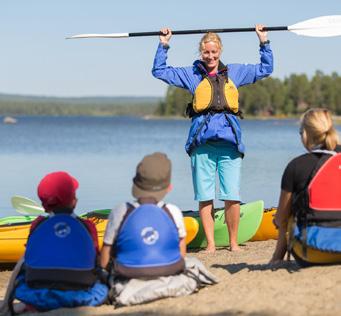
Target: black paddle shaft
{"type": "Point", "coordinates": [233, 30]}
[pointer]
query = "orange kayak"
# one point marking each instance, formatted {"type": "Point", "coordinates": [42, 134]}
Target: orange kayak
{"type": "Point", "coordinates": [267, 229]}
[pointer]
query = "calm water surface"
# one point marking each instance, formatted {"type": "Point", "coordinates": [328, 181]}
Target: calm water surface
{"type": "Point", "coordinates": [102, 154]}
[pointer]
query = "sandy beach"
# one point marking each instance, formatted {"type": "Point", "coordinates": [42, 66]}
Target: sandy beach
{"type": "Point", "coordinates": [248, 286]}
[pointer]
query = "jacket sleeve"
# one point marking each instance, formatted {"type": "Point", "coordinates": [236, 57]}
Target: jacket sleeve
{"type": "Point", "coordinates": [36, 222]}
{"type": "Point", "coordinates": [175, 76]}
{"type": "Point", "coordinates": [248, 73]}
{"type": "Point", "coordinates": [93, 232]}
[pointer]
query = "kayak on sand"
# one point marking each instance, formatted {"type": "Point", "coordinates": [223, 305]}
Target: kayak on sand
{"type": "Point", "coordinates": [15, 230]}
{"type": "Point", "coordinates": [267, 230]}
{"type": "Point", "coordinates": [250, 219]}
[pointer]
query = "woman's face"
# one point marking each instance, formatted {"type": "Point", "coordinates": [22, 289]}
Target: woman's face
{"type": "Point", "coordinates": [210, 55]}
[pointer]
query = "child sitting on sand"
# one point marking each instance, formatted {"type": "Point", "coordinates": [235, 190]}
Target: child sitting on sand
{"type": "Point", "coordinates": [61, 252]}
{"type": "Point", "coordinates": [145, 244]}
{"type": "Point", "coordinates": [148, 235]}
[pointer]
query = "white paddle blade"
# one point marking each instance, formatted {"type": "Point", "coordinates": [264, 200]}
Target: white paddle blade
{"type": "Point", "coordinates": [324, 26]}
{"type": "Point", "coordinates": [26, 206]}
{"type": "Point", "coordinates": [114, 35]}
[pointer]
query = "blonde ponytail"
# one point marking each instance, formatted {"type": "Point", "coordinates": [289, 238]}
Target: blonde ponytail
{"type": "Point", "coordinates": [318, 130]}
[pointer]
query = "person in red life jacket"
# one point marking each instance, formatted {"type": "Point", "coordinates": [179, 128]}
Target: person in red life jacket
{"type": "Point", "coordinates": [146, 237]}
{"type": "Point", "coordinates": [321, 140]}
{"type": "Point", "coordinates": [214, 142]}
{"type": "Point", "coordinates": [61, 253]}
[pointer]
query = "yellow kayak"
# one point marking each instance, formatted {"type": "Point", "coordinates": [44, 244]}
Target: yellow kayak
{"type": "Point", "coordinates": [13, 236]}
{"type": "Point", "coordinates": [267, 229]}
{"type": "Point", "coordinates": [13, 239]}
{"type": "Point", "coordinates": [192, 228]}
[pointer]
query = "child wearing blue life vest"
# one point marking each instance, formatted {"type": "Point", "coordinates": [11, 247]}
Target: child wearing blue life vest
{"type": "Point", "coordinates": [59, 267]}
{"type": "Point", "coordinates": [146, 237]}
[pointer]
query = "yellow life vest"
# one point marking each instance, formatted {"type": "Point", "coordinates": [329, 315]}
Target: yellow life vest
{"type": "Point", "coordinates": [217, 93]}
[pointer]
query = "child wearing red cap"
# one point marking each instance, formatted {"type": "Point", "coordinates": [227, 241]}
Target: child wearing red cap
{"type": "Point", "coordinates": [61, 253]}
{"type": "Point", "coordinates": [57, 193]}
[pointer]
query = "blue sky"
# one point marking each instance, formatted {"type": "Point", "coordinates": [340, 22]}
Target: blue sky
{"type": "Point", "coordinates": [35, 58]}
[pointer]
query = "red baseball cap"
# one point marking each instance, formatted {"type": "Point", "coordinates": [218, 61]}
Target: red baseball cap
{"type": "Point", "coordinates": [57, 189]}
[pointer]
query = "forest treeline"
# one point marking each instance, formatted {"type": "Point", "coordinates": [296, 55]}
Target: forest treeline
{"type": "Point", "coordinates": [14, 105]}
{"type": "Point", "coordinates": [272, 97]}
{"type": "Point", "coordinates": [269, 97]}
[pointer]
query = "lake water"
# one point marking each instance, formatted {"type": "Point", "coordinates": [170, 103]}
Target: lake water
{"type": "Point", "coordinates": [102, 154]}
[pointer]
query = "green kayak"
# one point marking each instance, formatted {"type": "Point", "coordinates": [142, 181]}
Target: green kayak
{"type": "Point", "coordinates": [16, 219]}
{"type": "Point", "coordinates": [21, 219]}
{"type": "Point", "coordinates": [250, 219]}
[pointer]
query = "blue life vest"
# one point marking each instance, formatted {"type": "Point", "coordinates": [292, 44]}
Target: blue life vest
{"type": "Point", "coordinates": [321, 238]}
{"type": "Point", "coordinates": [147, 244]}
{"type": "Point", "coordinates": [60, 253]}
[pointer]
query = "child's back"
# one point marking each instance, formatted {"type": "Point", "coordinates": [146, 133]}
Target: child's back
{"type": "Point", "coordinates": [60, 257]}
{"type": "Point", "coordinates": [147, 237]}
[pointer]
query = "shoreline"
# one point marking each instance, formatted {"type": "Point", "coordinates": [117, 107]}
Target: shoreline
{"type": "Point", "coordinates": [336, 118]}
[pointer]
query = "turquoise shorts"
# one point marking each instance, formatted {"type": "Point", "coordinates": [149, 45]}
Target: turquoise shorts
{"type": "Point", "coordinates": [219, 158]}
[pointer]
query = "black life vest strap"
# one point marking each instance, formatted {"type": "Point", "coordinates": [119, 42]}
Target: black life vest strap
{"type": "Point", "coordinates": [303, 210]}
{"type": "Point", "coordinates": [189, 112]}
{"type": "Point", "coordinates": [290, 244]}
{"type": "Point", "coordinates": [301, 214]}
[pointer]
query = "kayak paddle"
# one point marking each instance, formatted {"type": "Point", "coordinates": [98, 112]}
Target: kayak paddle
{"type": "Point", "coordinates": [26, 206]}
{"type": "Point", "coordinates": [324, 26]}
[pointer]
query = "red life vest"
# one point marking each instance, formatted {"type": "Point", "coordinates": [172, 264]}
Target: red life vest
{"type": "Point", "coordinates": [325, 188]}
{"type": "Point", "coordinates": [315, 234]}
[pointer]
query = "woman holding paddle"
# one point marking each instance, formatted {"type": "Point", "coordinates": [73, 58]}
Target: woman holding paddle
{"type": "Point", "coordinates": [214, 142]}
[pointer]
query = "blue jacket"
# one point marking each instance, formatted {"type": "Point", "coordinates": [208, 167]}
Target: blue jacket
{"type": "Point", "coordinates": [189, 78]}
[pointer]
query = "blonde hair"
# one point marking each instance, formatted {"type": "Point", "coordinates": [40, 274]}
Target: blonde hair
{"type": "Point", "coordinates": [317, 129]}
{"type": "Point", "coordinates": [210, 37]}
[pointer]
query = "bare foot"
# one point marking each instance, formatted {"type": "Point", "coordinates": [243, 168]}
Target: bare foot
{"type": "Point", "coordinates": [210, 249]}
{"type": "Point", "coordinates": [235, 248]}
